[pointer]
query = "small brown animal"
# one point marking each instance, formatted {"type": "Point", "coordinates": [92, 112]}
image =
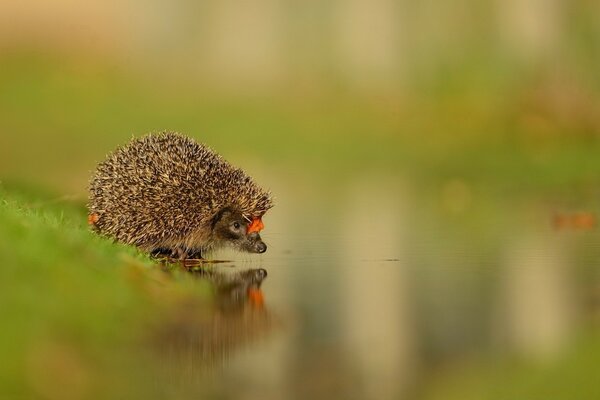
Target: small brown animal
{"type": "Point", "coordinates": [170, 195]}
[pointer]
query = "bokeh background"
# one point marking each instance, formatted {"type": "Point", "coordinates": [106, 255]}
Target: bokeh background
{"type": "Point", "coordinates": [436, 172]}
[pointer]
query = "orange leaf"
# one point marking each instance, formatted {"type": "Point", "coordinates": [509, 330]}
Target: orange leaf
{"type": "Point", "coordinates": [93, 218]}
{"type": "Point", "coordinates": [255, 226]}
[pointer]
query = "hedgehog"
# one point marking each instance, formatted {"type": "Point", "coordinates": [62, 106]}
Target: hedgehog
{"type": "Point", "coordinates": [170, 195]}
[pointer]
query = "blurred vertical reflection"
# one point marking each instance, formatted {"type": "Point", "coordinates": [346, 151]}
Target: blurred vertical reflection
{"type": "Point", "coordinates": [376, 323]}
{"type": "Point", "coordinates": [266, 364]}
{"type": "Point", "coordinates": [536, 299]}
{"type": "Point", "coordinates": [200, 336]}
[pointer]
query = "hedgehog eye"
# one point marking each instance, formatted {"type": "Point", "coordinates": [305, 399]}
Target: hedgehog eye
{"type": "Point", "coordinates": [236, 225]}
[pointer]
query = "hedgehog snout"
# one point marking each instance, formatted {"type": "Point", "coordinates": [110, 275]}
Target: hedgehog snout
{"type": "Point", "coordinates": [261, 247]}
{"type": "Point", "coordinates": [256, 243]}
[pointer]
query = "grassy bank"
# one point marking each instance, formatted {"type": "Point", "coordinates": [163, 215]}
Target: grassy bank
{"type": "Point", "coordinates": [75, 306]}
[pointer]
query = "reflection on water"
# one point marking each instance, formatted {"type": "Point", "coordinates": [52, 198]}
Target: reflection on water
{"type": "Point", "coordinates": [382, 292]}
{"type": "Point", "coordinates": [201, 337]}
{"type": "Point", "coordinates": [205, 334]}
{"type": "Point", "coordinates": [380, 343]}
{"type": "Point", "coordinates": [536, 295]}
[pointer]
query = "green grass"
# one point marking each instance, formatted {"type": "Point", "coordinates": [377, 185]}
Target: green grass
{"type": "Point", "coordinates": [74, 304]}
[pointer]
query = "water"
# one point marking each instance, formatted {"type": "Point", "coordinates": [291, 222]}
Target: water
{"type": "Point", "coordinates": [378, 290]}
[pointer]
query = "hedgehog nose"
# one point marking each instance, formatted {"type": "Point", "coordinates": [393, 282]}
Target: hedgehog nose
{"type": "Point", "coordinates": [261, 247]}
{"type": "Point", "coordinates": [260, 274]}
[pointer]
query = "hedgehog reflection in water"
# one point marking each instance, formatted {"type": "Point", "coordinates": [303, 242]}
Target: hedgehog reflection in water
{"type": "Point", "coordinates": [168, 194]}
{"type": "Point", "coordinates": [196, 335]}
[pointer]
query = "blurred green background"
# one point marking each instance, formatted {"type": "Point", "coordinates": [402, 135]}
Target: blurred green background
{"type": "Point", "coordinates": [459, 140]}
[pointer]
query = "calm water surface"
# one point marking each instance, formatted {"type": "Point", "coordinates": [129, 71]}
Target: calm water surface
{"type": "Point", "coordinates": [378, 290]}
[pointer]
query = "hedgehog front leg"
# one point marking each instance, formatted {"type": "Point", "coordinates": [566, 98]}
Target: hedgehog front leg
{"type": "Point", "coordinates": [179, 253]}
{"type": "Point", "coordinates": [195, 254]}
{"type": "Point", "coordinates": [161, 253]}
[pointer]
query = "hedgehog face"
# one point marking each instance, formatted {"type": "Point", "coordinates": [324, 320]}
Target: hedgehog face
{"type": "Point", "coordinates": [231, 228]}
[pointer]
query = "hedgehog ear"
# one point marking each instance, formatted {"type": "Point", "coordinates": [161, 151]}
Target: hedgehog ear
{"type": "Point", "coordinates": [219, 215]}
{"type": "Point", "coordinates": [223, 212]}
